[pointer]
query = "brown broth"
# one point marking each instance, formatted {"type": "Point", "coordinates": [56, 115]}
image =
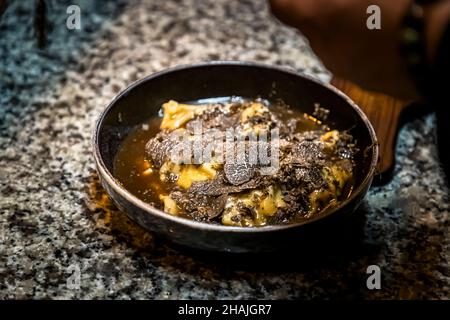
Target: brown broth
{"type": "Point", "coordinates": [130, 164]}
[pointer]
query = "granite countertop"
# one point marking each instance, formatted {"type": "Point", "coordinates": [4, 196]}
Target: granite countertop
{"type": "Point", "coordinates": [56, 220]}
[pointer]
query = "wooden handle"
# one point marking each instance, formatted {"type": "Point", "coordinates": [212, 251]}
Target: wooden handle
{"type": "Point", "coordinates": [384, 113]}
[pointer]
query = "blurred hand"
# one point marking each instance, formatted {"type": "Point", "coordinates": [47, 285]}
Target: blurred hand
{"type": "Point", "coordinates": [2, 6]}
{"type": "Point", "coordinates": [338, 34]}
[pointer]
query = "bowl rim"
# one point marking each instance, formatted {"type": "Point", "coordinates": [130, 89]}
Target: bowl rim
{"type": "Point", "coordinates": [122, 191]}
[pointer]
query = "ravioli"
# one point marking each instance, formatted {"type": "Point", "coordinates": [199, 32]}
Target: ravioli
{"type": "Point", "coordinates": [314, 164]}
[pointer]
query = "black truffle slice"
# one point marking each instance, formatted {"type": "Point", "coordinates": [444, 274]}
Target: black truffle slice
{"type": "Point", "coordinates": [308, 151]}
{"type": "Point", "coordinates": [200, 207]}
{"type": "Point", "coordinates": [238, 173]}
{"type": "Point", "coordinates": [157, 149]}
{"type": "Point", "coordinates": [223, 121]}
{"type": "Point", "coordinates": [218, 186]}
{"type": "Point", "coordinates": [160, 148]}
{"type": "Point", "coordinates": [311, 176]}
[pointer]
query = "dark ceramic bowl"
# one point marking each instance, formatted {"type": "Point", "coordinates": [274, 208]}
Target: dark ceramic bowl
{"type": "Point", "coordinates": [143, 99]}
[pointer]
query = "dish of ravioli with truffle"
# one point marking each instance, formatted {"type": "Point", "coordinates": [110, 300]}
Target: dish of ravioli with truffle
{"type": "Point", "coordinates": [237, 162]}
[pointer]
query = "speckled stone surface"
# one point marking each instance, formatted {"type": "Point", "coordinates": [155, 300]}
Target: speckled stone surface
{"type": "Point", "coordinates": [55, 217]}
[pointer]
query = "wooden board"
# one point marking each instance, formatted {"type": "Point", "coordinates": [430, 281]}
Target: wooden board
{"type": "Point", "coordinates": [384, 112]}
